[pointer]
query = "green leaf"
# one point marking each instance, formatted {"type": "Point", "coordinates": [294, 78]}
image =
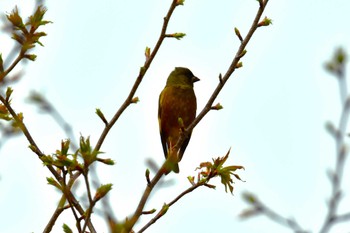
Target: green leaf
{"type": "Point", "coordinates": [101, 115]}
{"type": "Point", "coordinates": [238, 34]}
{"type": "Point", "coordinates": [66, 228]}
{"type": "Point", "coordinates": [265, 22]}
{"type": "Point", "coordinates": [53, 182]}
{"type": "Point", "coordinates": [179, 35]}
{"type": "Point", "coordinates": [164, 209]}
{"type": "Point", "coordinates": [19, 38]}
{"type": "Point", "coordinates": [16, 21]}
{"type": "Point", "coordinates": [47, 159]}
{"type": "Point", "coordinates": [36, 36]}
{"type": "Point", "coordinates": [9, 92]}
{"type": "Point", "coordinates": [106, 161]}
{"type": "Point", "coordinates": [89, 156]}
{"type": "Point", "coordinates": [65, 146]}
{"type": "Point", "coordinates": [36, 20]}
{"type": "Point", "coordinates": [102, 191]}
{"type": "Point", "coordinates": [31, 57]}
{"type": "Point", "coordinates": [180, 2]}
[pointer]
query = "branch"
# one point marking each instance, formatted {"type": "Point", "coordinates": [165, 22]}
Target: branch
{"type": "Point", "coordinates": [208, 171]}
{"type": "Point", "coordinates": [143, 70]}
{"type": "Point", "coordinates": [47, 107]}
{"type": "Point", "coordinates": [336, 67]}
{"type": "Point", "coordinates": [55, 215]}
{"type": "Point", "coordinates": [150, 185]}
{"type": "Point", "coordinates": [207, 108]}
{"type": "Point", "coordinates": [336, 176]}
{"type": "Point", "coordinates": [259, 208]}
{"type": "Point", "coordinates": [163, 210]}
{"type": "Point", "coordinates": [33, 145]}
{"type": "Point", "coordinates": [222, 80]}
{"type": "Point", "coordinates": [20, 56]}
{"type": "Point", "coordinates": [73, 203]}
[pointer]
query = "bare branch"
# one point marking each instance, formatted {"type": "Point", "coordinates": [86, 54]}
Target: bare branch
{"type": "Point", "coordinates": [336, 176]}
{"type": "Point", "coordinates": [224, 79]}
{"type": "Point", "coordinates": [139, 78]}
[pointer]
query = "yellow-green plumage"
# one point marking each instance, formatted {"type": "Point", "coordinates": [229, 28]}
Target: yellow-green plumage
{"type": "Point", "coordinates": [176, 101]}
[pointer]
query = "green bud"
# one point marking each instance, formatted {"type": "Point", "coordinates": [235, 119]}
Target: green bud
{"type": "Point", "coordinates": [102, 191]}
{"type": "Point", "coordinates": [265, 22]}
{"type": "Point", "coordinates": [100, 114]}
{"type": "Point", "coordinates": [238, 34]}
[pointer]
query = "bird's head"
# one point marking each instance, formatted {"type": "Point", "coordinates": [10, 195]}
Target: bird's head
{"type": "Point", "coordinates": [181, 77]}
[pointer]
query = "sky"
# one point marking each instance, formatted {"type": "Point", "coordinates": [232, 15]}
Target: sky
{"type": "Point", "coordinates": [275, 109]}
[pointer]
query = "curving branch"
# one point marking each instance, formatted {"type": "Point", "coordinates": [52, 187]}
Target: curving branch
{"type": "Point", "coordinates": [337, 68]}
{"type": "Point", "coordinates": [339, 134]}
{"type": "Point", "coordinates": [222, 80]}
{"type": "Point", "coordinates": [143, 70]}
{"type": "Point", "coordinates": [239, 54]}
{"type": "Point", "coordinates": [260, 208]}
{"type": "Point", "coordinates": [166, 206]}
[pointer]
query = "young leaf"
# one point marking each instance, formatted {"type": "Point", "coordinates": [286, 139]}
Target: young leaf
{"type": "Point", "coordinates": [102, 191]}
{"type": "Point", "coordinates": [53, 182]}
{"type": "Point", "coordinates": [66, 228]}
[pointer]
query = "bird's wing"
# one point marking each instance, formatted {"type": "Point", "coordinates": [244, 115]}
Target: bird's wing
{"type": "Point", "coordinates": [162, 135]}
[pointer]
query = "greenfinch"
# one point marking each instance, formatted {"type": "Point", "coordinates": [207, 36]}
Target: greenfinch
{"type": "Point", "coordinates": [176, 111]}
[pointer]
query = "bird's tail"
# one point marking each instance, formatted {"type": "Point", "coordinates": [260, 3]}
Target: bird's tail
{"type": "Point", "coordinates": [172, 163]}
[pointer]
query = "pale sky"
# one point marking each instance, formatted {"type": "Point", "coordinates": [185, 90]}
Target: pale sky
{"type": "Point", "coordinates": [275, 109]}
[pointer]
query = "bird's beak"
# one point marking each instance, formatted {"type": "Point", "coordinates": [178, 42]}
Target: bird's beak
{"type": "Point", "coordinates": [195, 79]}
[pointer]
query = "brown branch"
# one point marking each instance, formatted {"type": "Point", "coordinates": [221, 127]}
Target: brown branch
{"type": "Point", "coordinates": [139, 78]}
{"type": "Point", "coordinates": [33, 145]}
{"type": "Point", "coordinates": [35, 149]}
{"type": "Point", "coordinates": [12, 66]}
{"type": "Point", "coordinates": [55, 215]}
{"type": "Point", "coordinates": [205, 110]}
{"type": "Point", "coordinates": [73, 203]}
{"type": "Point", "coordinates": [161, 212]}
{"type": "Point", "coordinates": [224, 79]}
{"type": "Point", "coordinates": [150, 185]}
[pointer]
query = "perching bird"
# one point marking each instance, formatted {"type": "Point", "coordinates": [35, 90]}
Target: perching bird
{"type": "Point", "coordinates": [176, 110]}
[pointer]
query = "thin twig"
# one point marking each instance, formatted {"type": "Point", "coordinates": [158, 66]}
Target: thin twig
{"type": "Point", "coordinates": [12, 66]}
{"type": "Point", "coordinates": [91, 202]}
{"type": "Point", "coordinates": [144, 198]}
{"type": "Point", "coordinates": [225, 78]}
{"type": "Point", "coordinates": [288, 222]}
{"type": "Point", "coordinates": [29, 137]}
{"type": "Point", "coordinates": [55, 215]}
{"type": "Point", "coordinates": [70, 197]}
{"type": "Point", "coordinates": [207, 107]}
{"type": "Point", "coordinates": [159, 215]}
{"type": "Point", "coordinates": [139, 78]}
{"type": "Point", "coordinates": [336, 176]}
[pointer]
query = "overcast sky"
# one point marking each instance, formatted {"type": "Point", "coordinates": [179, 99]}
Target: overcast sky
{"type": "Point", "coordinates": [275, 108]}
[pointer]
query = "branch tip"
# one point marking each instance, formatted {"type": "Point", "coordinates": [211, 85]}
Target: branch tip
{"type": "Point", "coordinates": [220, 78]}
{"type": "Point", "coordinates": [101, 116]}
{"type": "Point", "coordinates": [265, 22]}
{"type": "Point", "coordinates": [135, 100]}
{"type": "Point", "coordinates": [147, 176]}
{"type": "Point", "coordinates": [238, 34]}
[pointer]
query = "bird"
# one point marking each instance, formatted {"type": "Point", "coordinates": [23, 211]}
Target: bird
{"type": "Point", "coordinates": [177, 108]}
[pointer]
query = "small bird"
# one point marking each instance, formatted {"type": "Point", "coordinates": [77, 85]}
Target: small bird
{"type": "Point", "coordinates": [176, 110]}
